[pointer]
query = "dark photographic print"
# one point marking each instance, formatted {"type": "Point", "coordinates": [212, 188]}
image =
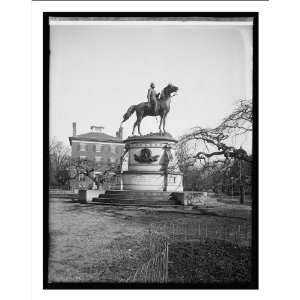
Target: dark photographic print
{"type": "Point", "coordinates": [151, 150]}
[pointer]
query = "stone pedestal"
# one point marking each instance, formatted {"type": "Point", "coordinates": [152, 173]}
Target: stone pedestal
{"type": "Point", "coordinates": [151, 164]}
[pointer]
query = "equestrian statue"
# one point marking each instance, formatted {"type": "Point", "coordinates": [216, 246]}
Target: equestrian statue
{"type": "Point", "coordinates": [158, 105]}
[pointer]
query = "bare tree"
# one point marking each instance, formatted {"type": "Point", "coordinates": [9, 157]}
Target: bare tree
{"type": "Point", "coordinates": [183, 157]}
{"type": "Point", "coordinates": [215, 142]}
{"type": "Point", "coordinates": [237, 123]}
{"type": "Point", "coordinates": [59, 155]}
{"type": "Point", "coordinates": [89, 169]}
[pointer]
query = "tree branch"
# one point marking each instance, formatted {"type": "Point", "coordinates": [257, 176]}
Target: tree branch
{"type": "Point", "coordinates": [200, 154]}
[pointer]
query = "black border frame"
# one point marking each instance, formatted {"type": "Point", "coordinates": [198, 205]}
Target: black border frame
{"type": "Point", "coordinates": [46, 52]}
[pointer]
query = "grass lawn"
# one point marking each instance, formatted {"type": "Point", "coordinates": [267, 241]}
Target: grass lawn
{"type": "Point", "coordinates": [94, 243]}
{"type": "Point", "coordinates": [209, 261]}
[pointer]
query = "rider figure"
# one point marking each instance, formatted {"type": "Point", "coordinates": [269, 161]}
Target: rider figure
{"type": "Point", "coordinates": [152, 97]}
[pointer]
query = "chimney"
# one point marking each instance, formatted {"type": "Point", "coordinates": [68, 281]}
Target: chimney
{"type": "Point", "coordinates": [74, 128]}
{"type": "Point", "coordinates": [120, 133]}
{"type": "Point", "coordinates": [96, 128]}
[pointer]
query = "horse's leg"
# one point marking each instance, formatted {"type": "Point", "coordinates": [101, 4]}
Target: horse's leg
{"type": "Point", "coordinates": [135, 123]}
{"type": "Point", "coordinates": [161, 119]}
{"type": "Point", "coordinates": [164, 125]}
{"type": "Point", "coordinates": [139, 122]}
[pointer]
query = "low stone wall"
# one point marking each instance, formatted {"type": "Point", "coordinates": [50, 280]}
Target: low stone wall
{"type": "Point", "coordinates": [63, 194]}
{"type": "Point", "coordinates": [194, 198]}
{"type": "Point", "coordinates": [88, 195]}
{"type": "Point", "coordinates": [60, 191]}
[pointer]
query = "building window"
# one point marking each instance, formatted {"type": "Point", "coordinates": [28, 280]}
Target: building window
{"type": "Point", "coordinates": [82, 147]}
{"type": "Point", "coordinates": [105, 148]}
{"type": "Point", "coordinates": [82, 157]}
{"type": "Point", "coordinates": [99, 159]}
{"type": "Point", "coordinates": [98, 147]}
{"type": "Point", "coordinates": [119, 149]}
{"type": "Point", "coordinates": [113, 148]}
{"type": "Point", "coordinates": [81, 177]}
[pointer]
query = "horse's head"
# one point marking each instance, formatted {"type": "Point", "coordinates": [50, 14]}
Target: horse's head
{"type": "Point", "coordinates": [170, 89]}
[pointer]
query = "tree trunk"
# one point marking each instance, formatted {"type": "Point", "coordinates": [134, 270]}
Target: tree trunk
{"type": "Point", "coordinates": [165, 181]}
{"type": "Point", "coordinates": [242, 194]}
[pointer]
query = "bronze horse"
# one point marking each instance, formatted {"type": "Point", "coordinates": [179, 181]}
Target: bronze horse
{"type": "Point", "coordinates": [145, 109]}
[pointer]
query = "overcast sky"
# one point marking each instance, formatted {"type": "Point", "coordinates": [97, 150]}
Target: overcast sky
{"type": "Point", "coordinates": [98, 71]}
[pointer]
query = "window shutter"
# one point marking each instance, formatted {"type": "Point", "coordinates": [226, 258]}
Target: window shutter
{"type": "Point", "coordinates": [94, 146]}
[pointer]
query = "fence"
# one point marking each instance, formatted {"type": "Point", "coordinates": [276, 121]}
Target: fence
{"type": "Point", "coordinates": [238, 234]}
{"type": "Point", "coordinates": [59, 191]}
{"type": "Point", "coordinates": [162, 235]}
{"type": "Point", "coordinates": [62, 194]}
{"type": "Point", "coordinates": [155, 270]}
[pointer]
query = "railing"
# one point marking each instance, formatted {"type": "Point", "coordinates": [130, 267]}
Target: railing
{"type": "Point", "coordinates": [162, 235]}
{"type": "Point", "coordinates": [237, 233]}
{"type": "Point", "coordinates": [154, 270]}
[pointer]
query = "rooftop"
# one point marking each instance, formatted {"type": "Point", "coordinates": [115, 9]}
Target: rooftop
{"type": "Point", "coordinates": [95, 137]}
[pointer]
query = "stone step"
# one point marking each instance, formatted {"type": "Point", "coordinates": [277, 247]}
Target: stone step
{"type": "Point", "coordinates": [131, 192]}
{"type": "Point", "coordinates": [131, 197]}
{"type": "Point", "coordinates": [138, 205]}
{"type": "Point", "coordinates": [134, 195]}
{"type": "Point", "coordinates": [134, 201]}
{"type": "Point", "coordinates": [103, 197]}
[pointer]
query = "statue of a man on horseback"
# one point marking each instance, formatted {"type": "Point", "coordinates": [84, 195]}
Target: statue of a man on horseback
{"type": "Point", "coordinates": [158, 105]}
{"type": "Point", "coordinates": [153, 97]}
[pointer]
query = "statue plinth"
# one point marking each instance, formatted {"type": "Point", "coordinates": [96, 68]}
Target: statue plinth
{"type": "Point", "coordinates": [151, 164]}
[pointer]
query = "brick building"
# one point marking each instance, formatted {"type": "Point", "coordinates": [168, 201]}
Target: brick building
{"type": "Point", "coordinates": [103, 149]}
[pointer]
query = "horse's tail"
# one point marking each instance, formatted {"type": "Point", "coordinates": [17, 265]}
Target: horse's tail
{"type": "Point", "coordinates": [129, 112]}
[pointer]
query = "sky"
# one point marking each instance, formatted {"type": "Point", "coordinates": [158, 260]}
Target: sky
{"type": "Point", "coordinates": [98, 71]}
